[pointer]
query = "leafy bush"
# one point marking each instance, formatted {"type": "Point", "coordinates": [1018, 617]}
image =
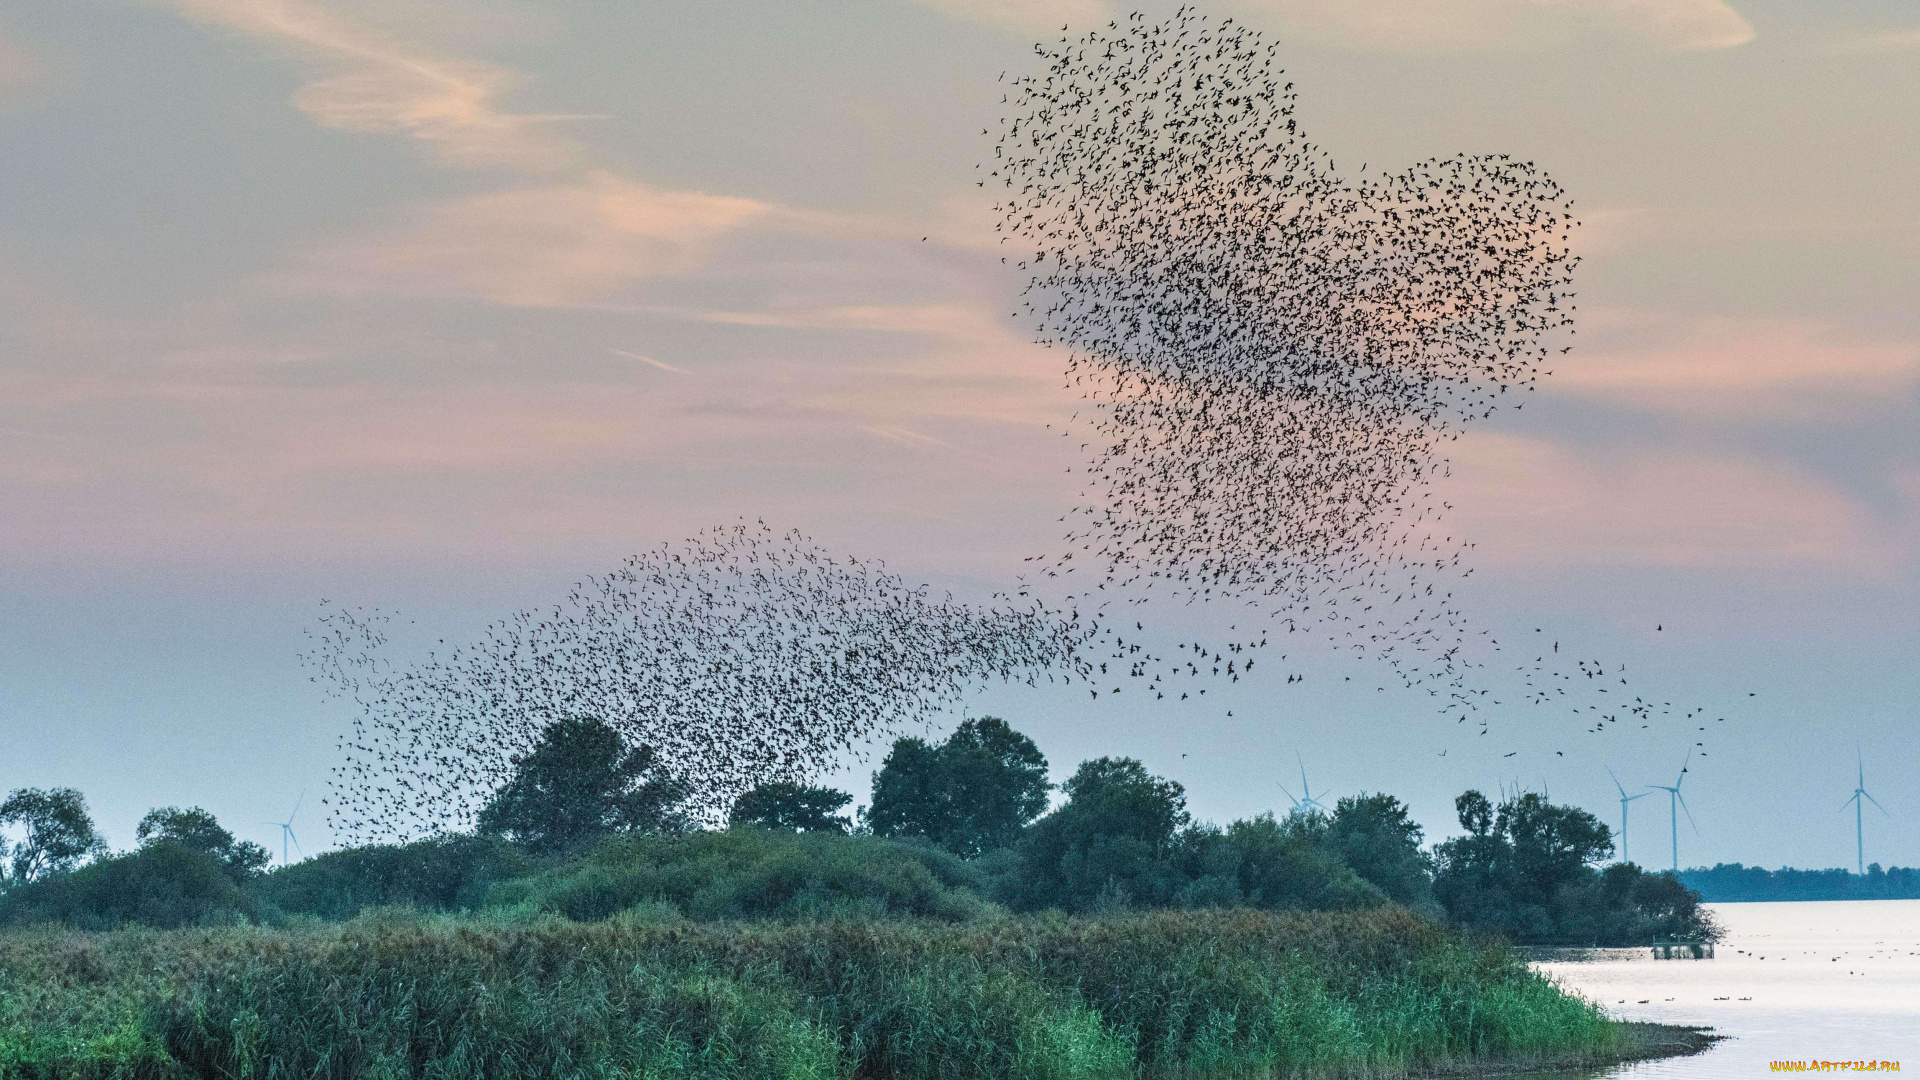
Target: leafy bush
{"type": "Point", "coordinates": [197, 830]}
{"type": "Point", "coordinates": [1259, 863]}
{"type": "Point", "coordinates": [163, 884]}
{"type": "Point", "coordinates": [447, 873]}
{"type": "Point", "coordinates": [752, 873]}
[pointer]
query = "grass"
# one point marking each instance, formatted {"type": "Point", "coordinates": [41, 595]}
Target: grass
{"type": "Point", "coordinates": [523, 992]}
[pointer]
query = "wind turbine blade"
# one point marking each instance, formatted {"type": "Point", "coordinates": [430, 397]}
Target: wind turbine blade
{"type": "Point", "coordinates": [296, 804]}
{"type": "Point", "coordinates": [1616, 782]}
{"type": "Point", "coordinates": [1875, 802]}
{"type": "Point", "coordinates": [296, 843]}
{"type": "Point", "coordinates": [1683, 806]}
{"type": "Point", "coordinates": [1854, 798]}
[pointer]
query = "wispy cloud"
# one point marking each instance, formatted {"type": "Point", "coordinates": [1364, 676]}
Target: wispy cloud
{"type": "Point", "coordinates": [1677, 24]}
{"type": "Point", "coordinates": [1532, 500]}
{"type": "Point", "coordinates": [563, 245]}
{"type": "Point", "coordinates": [662, 365]}
{"type": "Point", "coordinates": [1749, 368]}
{"type": "Point", "coordinates": [1023, 16]}
{"type": "Point", "coordinates": [1429, 24]}
{"type": "Point", "coordinates": [377, 84]}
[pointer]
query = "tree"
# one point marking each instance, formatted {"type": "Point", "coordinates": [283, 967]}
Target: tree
{"type": "Point", "coordinates": [796, 807]}
{"type": "Point", "coordinates": [1525, 870]}
{"type": "Point", "coordinates": [971, 794]}
{"type": "Point", "coordinates": [1508, 872]}
{"type": "Point", "coordinates": [580, 782]}
{"type": "Point", "coordinates": [1110, 845]}
{"type": "Point", "coordinates": [163, 884]}
{"type": "Point", "coordinates": [197, 830]}
{"type": "Point", "coordinates": [1265, 863]}
{"type": "Point", "coordinates": [59, 832]}
{"type": "Point", "coordinates": [1377, 838]}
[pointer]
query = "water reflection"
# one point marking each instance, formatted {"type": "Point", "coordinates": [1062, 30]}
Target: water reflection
{"type": "Point", "coordinates": [1833, 981]}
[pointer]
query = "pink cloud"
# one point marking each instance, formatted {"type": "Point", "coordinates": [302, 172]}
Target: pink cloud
{"type": "Point", "coordinates": [1747, 367]}
{"type": "Point", "coordinates": [563, 245]}
{"type": "Point", "coordinates": [1531, 501]}
{"type": "Point", "coordinates": [20, 73]}
{"type": "Point", "coordinates": [378, 83]}
{"type": "Point", "coordinates": [1428, 24]}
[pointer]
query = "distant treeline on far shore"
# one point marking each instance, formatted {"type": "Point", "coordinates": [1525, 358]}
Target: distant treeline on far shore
{"type": "Point", "coordinates": [1729, 883]}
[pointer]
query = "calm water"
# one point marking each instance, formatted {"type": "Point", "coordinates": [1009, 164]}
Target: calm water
{"type": "Point", "coordinates": [1835, 981]}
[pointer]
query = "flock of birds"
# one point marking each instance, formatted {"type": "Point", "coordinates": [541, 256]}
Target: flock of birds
{"type": "Point", "coordinates": [1270, 354]}
{"type": "Point", "coordinates": [1271, 357]}
{"type": "Point", "coordinates": [741, 656]}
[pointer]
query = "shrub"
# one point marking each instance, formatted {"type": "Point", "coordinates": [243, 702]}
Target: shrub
{"type": "Point", "coordinates": [447, 873]}
{"type": "Point", "coordinates": [752, 873]}
{"type": "Point", "coordinates": [197, 830]}
{"type": "Point", "coordinates": [162, 885]}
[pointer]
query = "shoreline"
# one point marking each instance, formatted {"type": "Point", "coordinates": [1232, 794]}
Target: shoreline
{"type": "Point", "coordinates": [1650, 1042]}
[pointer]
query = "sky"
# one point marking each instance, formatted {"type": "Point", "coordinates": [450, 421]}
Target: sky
{"type": "Point", "coordinates": [440, 306]}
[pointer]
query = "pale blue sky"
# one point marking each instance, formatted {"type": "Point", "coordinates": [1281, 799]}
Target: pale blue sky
{"type": "Point", "coordinates": [441, 305]}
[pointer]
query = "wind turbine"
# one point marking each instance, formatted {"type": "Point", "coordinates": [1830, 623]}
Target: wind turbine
{"type": "Point", "coordinates": [1677, 802]}
{"type": "Point", "coordinates": [1859, 827]}
{"type": "Point", "coordinates": [1307, 800]}
{"type": "Point", "coordinates": [286, 829]}
{"type": "Point", "coordinates": [1624, 800]}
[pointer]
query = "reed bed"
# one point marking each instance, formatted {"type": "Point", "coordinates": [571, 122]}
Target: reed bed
{"type": "Point", "coordinates": [521, 993]}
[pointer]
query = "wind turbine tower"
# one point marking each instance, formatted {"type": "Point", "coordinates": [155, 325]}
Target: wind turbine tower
{"type": "Point", "coordinates": [286, 829]}
{"type": "Point", "coordinates": [1307, 800]}
{"type": "Point", "coordinates": [1677, 802]}
{"type": "Point", "coordinates": [1624, 800]}
{"type": "Point", "coordinates": [1859, 801]}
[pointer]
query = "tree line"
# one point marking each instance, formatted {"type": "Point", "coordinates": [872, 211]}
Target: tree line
{"type": "Point", "coordinates": [1734, 882]}
{"type": "Point", "coordinates": [1121, 839]}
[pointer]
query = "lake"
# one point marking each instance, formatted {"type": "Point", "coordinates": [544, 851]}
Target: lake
{"type": "Point", "coordinates": [1832, 981]}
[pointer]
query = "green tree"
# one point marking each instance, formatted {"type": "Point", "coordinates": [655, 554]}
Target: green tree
{"type": "Point", "coordinates": [197, 830]}
{"type": "Point", "coordinates": [1377, 838]}
{"type": "Point", "coordinates": [582, 781]}
{"type": "Point", "coordinates": [1525, 870]}
{"type": "Point", "coordinates": [59, 832]}
{"type": "Point", "coordinates": [1264, 863]}
{"type": "Point", "coordinates": [1110, 845]}
{"type": "Point", "coordinates": [163, 885]}
{"type": "Point", "coordinates": [794, 807]}
{"type": "Point", "coordinates": [971, 794]}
